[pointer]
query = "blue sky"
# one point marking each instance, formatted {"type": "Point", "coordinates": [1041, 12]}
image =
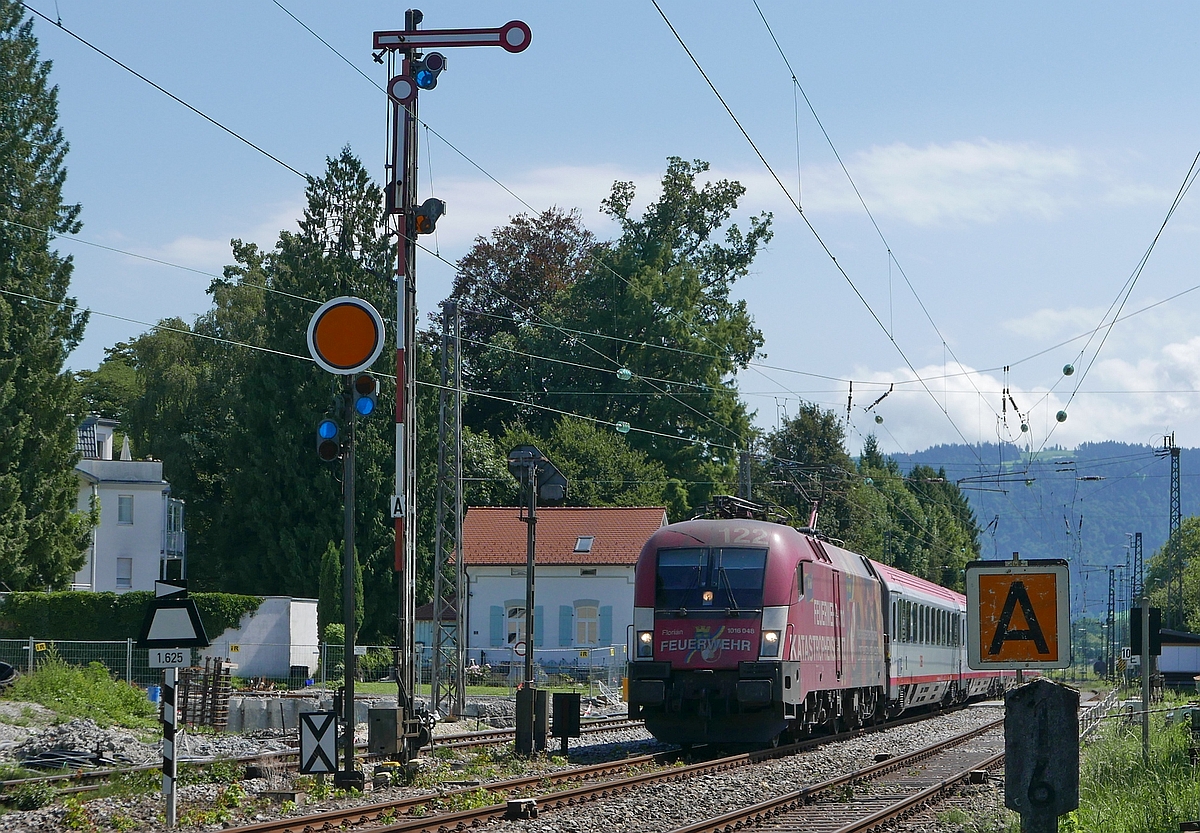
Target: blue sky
{"type": "Point", "coordinates": [1018, 162]}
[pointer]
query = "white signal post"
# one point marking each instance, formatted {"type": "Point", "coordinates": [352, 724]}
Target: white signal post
{"type": "Point", "coordinates": [171, 628]}
{"type": "Point", "coordinates": [401, 197]}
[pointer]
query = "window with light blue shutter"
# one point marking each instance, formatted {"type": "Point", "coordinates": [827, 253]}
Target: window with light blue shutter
{"type": "Point", "coordinates": [496, 626]}
{"type": "Point", "coordinates": [606, 625]}
{"type": "Point", "coordinates": [566, 621]}
{"type": "Point", "coordinates": [539, 626]}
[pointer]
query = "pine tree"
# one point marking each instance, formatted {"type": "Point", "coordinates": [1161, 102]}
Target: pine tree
{"type": "Point", "coordinates": [42, 537]}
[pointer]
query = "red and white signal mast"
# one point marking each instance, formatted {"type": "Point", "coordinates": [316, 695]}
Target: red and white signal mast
{"type": "Point", "coordinates": [419, 67]}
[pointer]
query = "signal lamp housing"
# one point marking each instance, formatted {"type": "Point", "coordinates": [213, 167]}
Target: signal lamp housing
{"type": "Point", "coordinates": [425, 71]}
{"type": "Point", "coordinates": [328, 447]}
{"type": "Point", "coordinates": [365, 388]}
{"type": "Point", "coordinates": [426, 215]}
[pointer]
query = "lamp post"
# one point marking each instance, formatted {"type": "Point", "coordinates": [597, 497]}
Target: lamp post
{"type": "Point", "coordinates": [540, 482]}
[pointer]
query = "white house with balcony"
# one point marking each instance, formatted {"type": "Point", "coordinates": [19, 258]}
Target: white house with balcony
{"type": "Point", "coordinates": [140, 537]}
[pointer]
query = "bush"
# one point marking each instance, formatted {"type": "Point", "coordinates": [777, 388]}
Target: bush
{"type": "Point", "coordinates": [1118, 793]}
{"type": "Point", "coordinates": [32, 796]}
{"type": "Point", "coordinates": [376, 663]}
{"type": "Point", "coordinates": [70, 615]}
{"type": "Point", "coordinates": [71, 691]}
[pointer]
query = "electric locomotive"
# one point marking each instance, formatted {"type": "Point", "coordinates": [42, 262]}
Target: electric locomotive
{"type": "Point", "coordinates": [747, 632]}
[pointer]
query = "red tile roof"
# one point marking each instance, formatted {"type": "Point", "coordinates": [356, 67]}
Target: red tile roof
{"type": "Point", "coordinates": [496, 535]}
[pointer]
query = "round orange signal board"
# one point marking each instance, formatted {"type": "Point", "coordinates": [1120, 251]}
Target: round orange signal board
{"type": "Point", "coordinates": [345, 335]}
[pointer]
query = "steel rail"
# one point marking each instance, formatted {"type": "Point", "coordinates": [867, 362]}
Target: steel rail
{"type": "Point", "coordinates": [365, 814]}
{"type": "Point", "coordinates": [81, 779]}
{"type": "Point", "coordinates": [907, 805]}
{"type": "Point", "coordinates": [765, 810]}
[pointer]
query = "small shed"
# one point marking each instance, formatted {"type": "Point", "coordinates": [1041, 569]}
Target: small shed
{"type": "Point", "coordinates": [1180, 660]}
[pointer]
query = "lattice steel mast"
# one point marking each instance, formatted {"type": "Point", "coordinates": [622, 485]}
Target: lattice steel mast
{"type": "Point", "coordinates": [449, 580]}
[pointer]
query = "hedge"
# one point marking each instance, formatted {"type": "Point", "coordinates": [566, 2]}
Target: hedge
{"type": "Point", "coordinates": [106, 616]}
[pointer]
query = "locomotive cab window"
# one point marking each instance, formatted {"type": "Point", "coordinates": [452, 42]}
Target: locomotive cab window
{"type": "Point", "coordinates": [722, 578]}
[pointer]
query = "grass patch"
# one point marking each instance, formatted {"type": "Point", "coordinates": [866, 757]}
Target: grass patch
{"type": "Point", "coordinates": [11, 772]}
{"type": "Point", "coordinates": [129, 784]}
{"type": "Point", "coordinates": [72, 691]}
{"type": "Point", "coordinates": [32, 796]}
{"type": "Point", "coordinates": [1118, 793]}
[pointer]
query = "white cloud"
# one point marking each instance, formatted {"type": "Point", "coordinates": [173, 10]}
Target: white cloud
{"type": "Point", "coordinates": [1134, 396]}
{"type": "Point", "coordinates": [968, 182]}
{"type": "Point", "coordinates": [211, 254]}
{"type": "Point", "coordinates": [476, 206]}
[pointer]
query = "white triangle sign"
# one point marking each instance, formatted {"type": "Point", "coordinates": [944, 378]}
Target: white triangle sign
{"type": "Point", "coordinates": [172, 623]}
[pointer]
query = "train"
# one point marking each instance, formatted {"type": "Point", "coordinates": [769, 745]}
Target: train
{"type": "Point", "coordinates": [749, 632]}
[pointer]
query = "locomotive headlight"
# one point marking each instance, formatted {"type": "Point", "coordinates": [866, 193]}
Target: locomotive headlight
{"type": "Point", "coordinates": [645, 644]}
{"type": "Point", "coordinates": [770, 644]}
{"type": "Point", "coordinates": [706, 597]}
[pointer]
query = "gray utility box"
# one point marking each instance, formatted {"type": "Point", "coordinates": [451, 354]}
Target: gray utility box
{"type": "Point", "coordinates": [385, 731]}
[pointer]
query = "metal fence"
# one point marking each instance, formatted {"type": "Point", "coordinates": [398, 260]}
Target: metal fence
{"type": "Point", "coordinates": [121, 658]}
{"type": "Point", "coordinates": [584, 669]}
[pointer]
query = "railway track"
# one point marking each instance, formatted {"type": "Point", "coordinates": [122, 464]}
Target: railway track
{"type": "Point", "coordinates": [873, 796]}
{"type": "Point", "coordinates": [883, 795]}
{"type": "Point", "coordinates": [514, 797]}
{"type": "Point", "coordinates": [90, 780]}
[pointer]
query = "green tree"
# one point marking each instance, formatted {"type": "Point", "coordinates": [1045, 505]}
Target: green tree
{"type": "Point", "coordinates": [1174, 563]}
{"type": "Point", "coordinates": [661, 295]}
{"type": "Point", "coordinates": [111, 389]}
{"type": "Point", "coordinates": [919, 522]}
{"type": "Point", "coordinates": [601, 468]}
{"type": "Point", "coordinates": [330, 601]}
{"type": "Point", "coordinates": [808, 463]}
{"type": "Point", "coordinates": [42, 537]}
{"type": "Point", "coordinates": [280, 502]}
{"type": "Point", "coordinates": [232, 412]}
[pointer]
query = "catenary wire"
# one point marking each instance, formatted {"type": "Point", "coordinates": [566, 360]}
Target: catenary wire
{"type": "Point", "coordinates": [807, 222]}
{"type": "Point", "coordinates": [332, 49]}
{"type": "Point", "coordinates": [433, 385]}
{"type": "Point", "coordinates": [449, 144]}
{"type": "Point", "coordinates": [879, 231]}
{"type": "Point", "coordinates": [511, 193]}
{"type": "Point", "coordinates": [165, 92]}
{"type": "Point", "coordinates": [76, 239]}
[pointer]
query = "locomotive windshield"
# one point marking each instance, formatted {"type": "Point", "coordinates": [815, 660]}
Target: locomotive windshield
{"type": "Point", "coordinates": [722, 577]}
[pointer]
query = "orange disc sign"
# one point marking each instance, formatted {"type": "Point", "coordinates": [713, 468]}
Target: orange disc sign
{"type": "Point", "coordinates": [345, 335]}
{"type": "Point", "coordinates": [1016, 615]}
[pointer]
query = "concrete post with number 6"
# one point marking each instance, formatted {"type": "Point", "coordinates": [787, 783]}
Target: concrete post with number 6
{"type": "Point", "coordinates": [1041, 753]}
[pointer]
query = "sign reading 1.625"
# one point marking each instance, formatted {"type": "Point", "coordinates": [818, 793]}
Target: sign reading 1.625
{"type": "Point", "coordinates": [170, 657]}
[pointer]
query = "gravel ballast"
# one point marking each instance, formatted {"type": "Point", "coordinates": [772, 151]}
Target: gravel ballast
{"type": "Point", "coordinates": [666, 806]}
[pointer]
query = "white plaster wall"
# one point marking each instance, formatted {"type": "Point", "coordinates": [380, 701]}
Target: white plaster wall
{"type": "Point", "coordinates": [265, 644]}
{"type": "Point", "coordinates": [142, 540]}
{"type": "Point", "coordinates": [556, 585]}
{"type": "Point", "coordinates": [1177, 658]}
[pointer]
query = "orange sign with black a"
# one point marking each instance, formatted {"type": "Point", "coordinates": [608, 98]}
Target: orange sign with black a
{"type": "Point", "coordinates": [1018, 614]}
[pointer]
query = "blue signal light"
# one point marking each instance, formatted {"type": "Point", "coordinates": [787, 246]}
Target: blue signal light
{"type": "Point", "coordinates": [327, 429]}
{"type": "Point", "coordinates": [365, 405]}
{"type": "Point", "coordinates": [426, 79]}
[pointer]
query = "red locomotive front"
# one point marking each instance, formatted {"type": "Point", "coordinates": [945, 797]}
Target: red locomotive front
{"type": "Point", "coordinates": [746, 629]}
